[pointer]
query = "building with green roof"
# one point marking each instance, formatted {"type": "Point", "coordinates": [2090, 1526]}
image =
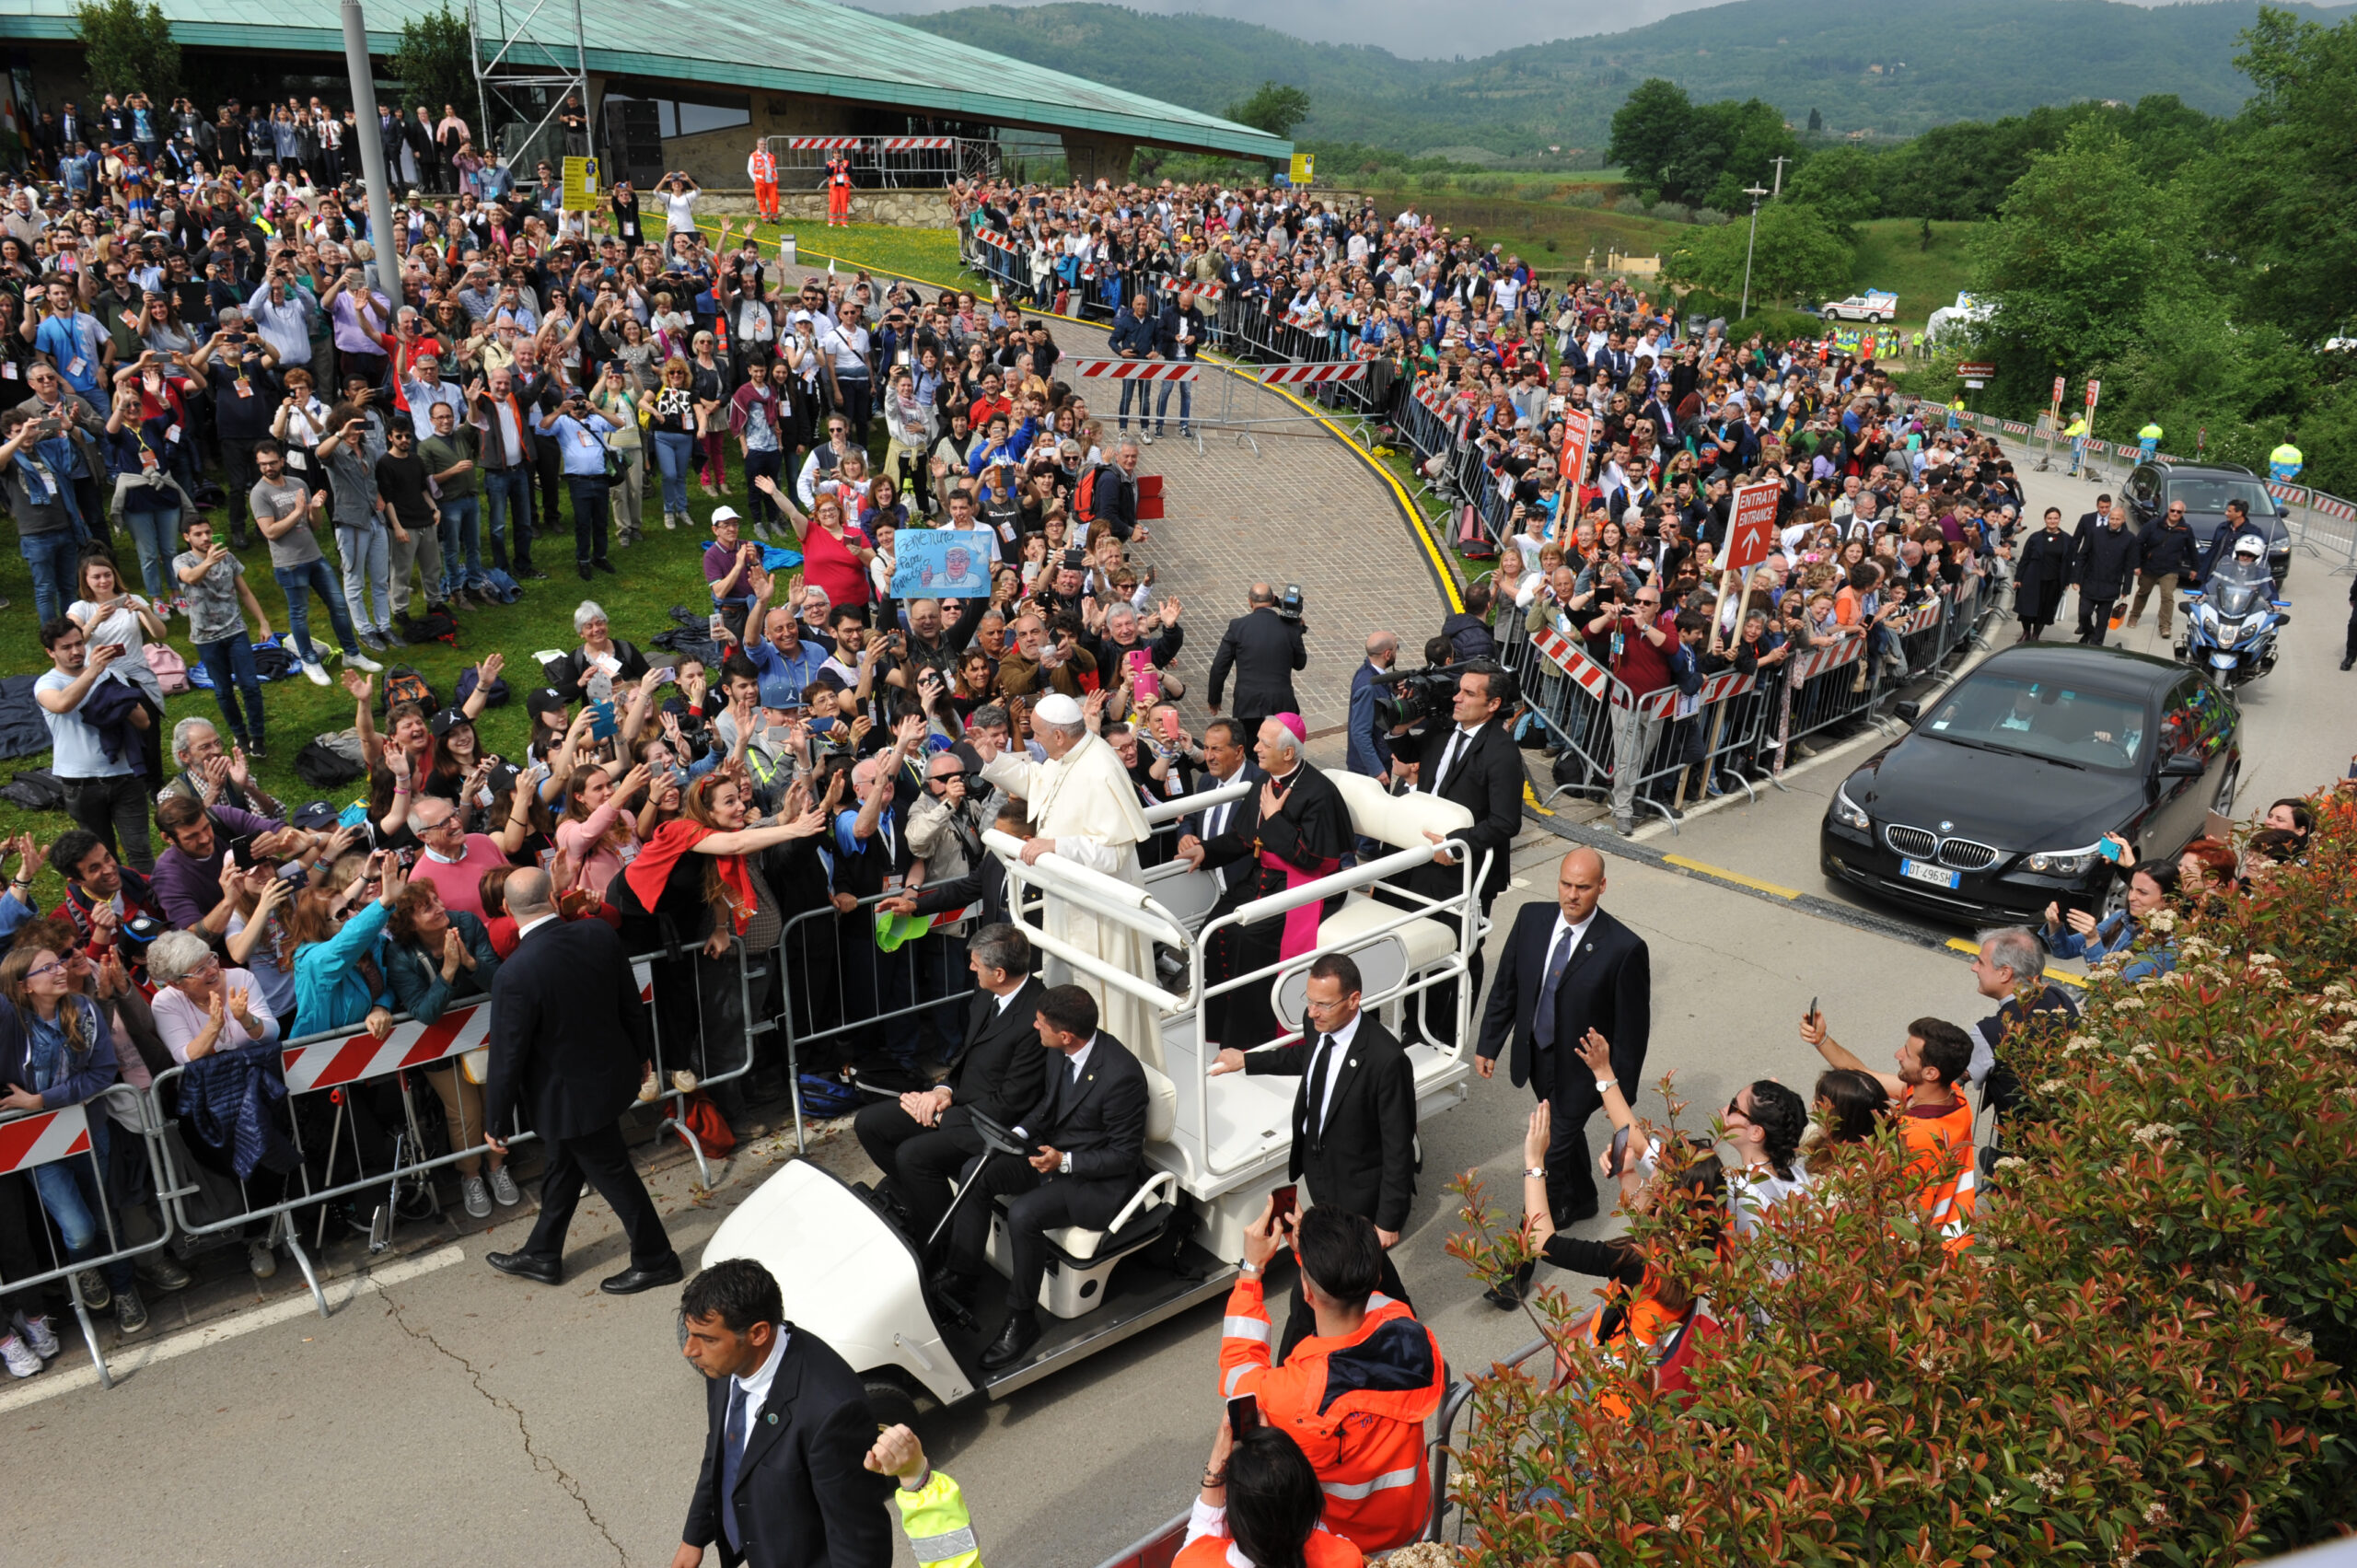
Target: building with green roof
{"type": "Point", "coordinates": [722, 72]}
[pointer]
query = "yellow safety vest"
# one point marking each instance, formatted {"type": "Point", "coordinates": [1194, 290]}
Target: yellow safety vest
{"type": "Point", "coordinates": [941, 1532]}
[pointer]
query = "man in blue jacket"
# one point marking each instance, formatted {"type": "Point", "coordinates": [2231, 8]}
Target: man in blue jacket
{"type": "Point", "coordinates": [1135, 330]}
{"type": "Point", "coordinates": [1370, 742]}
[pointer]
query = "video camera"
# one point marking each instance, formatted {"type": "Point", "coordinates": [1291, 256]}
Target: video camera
{"type": "Point", "coordinates": [1407, 698]}
{"type": "Point", "coordinates": [1289, 602]}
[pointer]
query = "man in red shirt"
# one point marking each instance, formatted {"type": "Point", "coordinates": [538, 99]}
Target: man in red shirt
{"type": "Point", "coordinates": [1636, 642]}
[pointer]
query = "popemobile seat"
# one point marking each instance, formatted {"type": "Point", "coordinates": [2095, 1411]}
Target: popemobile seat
{"type": "Point", "coordinates": [1080, 1259]}
{"type": "Point", "coordinates": [1410, 946]}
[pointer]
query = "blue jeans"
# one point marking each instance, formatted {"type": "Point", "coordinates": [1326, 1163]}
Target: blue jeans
{"type": "Point", "coordinates": [231, 661]}
{"type": "Point", "coordinates": [462, 531]}
{"type": "Point", "coordinates": [1141, 392]}
{"type": "Point", "coordinates": [506, 492]}
{"type": "Point", "coordinates": [53, 557]}
{"type": "Point", "coordinates": [1186, 390]}
{"type": "Point", "coordinates": [675, 454]}
{"type": "Point", "coordinates": [156, 532]}
{"type": "Point", "coordinates": [368, 568]}
{"type": "Point", "coordinates": [69, 1192]}
{"type": "Point", "coordinates": [298, 584]}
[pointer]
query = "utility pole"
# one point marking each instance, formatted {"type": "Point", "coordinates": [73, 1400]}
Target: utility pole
{"type": "Point", "coordinates": [1780, 179]}
{"type": "Point", "coordinates": [372, 150]}
{"type": "Point", "coordinates": [1754, 191]}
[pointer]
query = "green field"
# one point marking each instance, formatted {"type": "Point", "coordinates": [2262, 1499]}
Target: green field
{"type": "Point", "coordinates": [1891, 256]}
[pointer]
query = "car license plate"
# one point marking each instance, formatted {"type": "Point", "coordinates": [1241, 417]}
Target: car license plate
{"type": "Point", "coordinates": [1937, 876]}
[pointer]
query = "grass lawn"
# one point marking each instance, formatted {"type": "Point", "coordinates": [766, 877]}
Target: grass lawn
{"type": "Point", "coordinates": [929, 255]}
{"type": "Point", "coordinates": [1891, 256]}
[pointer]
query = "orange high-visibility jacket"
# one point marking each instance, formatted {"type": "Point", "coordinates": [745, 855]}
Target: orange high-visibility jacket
{"type": "Point", "coordinates": [1356, 1405]}
{"type": "Point", "coordinates": [1940, 1146]}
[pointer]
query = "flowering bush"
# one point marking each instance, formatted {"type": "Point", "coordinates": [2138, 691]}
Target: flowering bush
{"type": "Point", "coordinates": [2141, 1355]}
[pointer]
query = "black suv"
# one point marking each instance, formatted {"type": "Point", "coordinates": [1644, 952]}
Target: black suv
{"type": "Point", "coordinates": [2203, 488]}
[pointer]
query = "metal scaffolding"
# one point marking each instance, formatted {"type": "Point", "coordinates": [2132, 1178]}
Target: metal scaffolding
{"type": "Point", "coordinates": [523, 77]}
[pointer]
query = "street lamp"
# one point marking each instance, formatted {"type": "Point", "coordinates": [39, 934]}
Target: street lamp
{"type": "Point", "coordinates": [1755, 192]}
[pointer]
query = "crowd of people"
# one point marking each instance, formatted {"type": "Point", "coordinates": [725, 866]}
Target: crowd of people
{"type": "Point", "coordinates": [1883, 505]}
{"type": "Point", "coordinates": [822, 746]}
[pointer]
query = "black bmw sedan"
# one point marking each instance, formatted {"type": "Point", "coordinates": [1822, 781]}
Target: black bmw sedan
{"type": "Point", "coordinates": [1994, 805]}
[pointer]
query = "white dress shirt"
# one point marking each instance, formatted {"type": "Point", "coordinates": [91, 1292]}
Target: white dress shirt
{"type": "Point", "coordinates": [1460, 741]}
{"type": "Point", "coordinates": [1336, 1045]}
{"type": "Point", "coordinates": [757, 1386]}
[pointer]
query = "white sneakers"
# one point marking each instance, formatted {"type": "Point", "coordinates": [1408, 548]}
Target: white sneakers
{"type": "Point", "coordinates": [503, 1189]}
{"type": "Point", "coordinates": [314, 672]}
{"type": "Point", "coordinates": [29, 1343]}
{"type": "Point", "coordinates": [363, 662]}
{"type": "Point", "coordinates": [476, 1196]}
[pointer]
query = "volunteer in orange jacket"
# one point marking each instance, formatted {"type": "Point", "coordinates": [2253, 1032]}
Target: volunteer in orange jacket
{"type": "Point", "coordinates": [1356, 1394]}
{"type": "Point", "coordinates": [763, 166]}
{"type": "Point", "coordinates": [1260, 1507]}
{"type": "Point", "coordinates": [1934, 1116]}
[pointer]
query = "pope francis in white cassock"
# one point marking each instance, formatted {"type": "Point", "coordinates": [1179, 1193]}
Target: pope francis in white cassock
{"type": "Point", "coordinates": [1085, 808]}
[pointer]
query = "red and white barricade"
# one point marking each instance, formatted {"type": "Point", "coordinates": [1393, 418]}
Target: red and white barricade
{"type": "Point", "coordinates": [1314, 375]}
{"type": "Point", "coordinates": [349, 1059]}
{"type": "Point", "coordinates": [43, 1137]}
{"type": "Point", "coordinates": [823, 144]}
{"type": "Point", "coordinates": [1132, 369]}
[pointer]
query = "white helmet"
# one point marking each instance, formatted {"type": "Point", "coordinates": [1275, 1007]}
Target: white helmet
{"type": "Point", "coordinates": [2249, 547]}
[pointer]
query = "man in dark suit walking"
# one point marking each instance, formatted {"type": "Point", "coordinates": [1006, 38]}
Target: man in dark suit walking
{"type": "Point", "coordinates": [570, 1038]}
{"type": "Point", "coordinates": [1263, 649]}
{"type": "Point", "coordinates": [1476, 765]}
{"type": "Point", "coordinates": [923, 1139]}
{"type": "Point", "coordinates": [785, 1482]}
{"type": "Point", "coordinates": [1566, 969]}
{"type": "Point", "coordinates": [1354, 1118]}
{"type": "Point", "coordinates": [1087, 1138]}
{"type": "Point", "coordinates": [1227, 758]}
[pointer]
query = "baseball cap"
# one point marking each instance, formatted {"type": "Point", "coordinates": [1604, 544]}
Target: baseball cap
{"type": "Point", "coordinates": [724, 514]}
{"type": "Point", "coordinates": [547, 699]}
{"type": "Point", "coordinates": [447, 720]}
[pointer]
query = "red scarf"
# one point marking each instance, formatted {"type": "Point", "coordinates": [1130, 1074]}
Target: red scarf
{"type": "Point", "coordinates": [651, 868]}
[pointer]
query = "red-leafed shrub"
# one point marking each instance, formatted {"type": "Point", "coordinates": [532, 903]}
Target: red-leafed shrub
{"type": "Point", "coordinates": [2142, 1358]}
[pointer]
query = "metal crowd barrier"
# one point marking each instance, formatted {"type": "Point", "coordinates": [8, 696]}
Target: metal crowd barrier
{"type": "Point", "coordinates": [1737, 728]}
{"type": "Point", "coordinates": [2324, 525]}
{"type": "Point", "coordinates": [840, 986]}
{"type": "Point", "coordinates": [46, 1146]}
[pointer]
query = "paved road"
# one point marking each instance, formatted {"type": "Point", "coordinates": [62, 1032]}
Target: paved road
{"type": "Point", "coordinates": [445, 1414]}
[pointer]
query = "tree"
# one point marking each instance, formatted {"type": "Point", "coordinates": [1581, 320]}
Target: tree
{"type": "Point", "coordinates": [1749, 137]}
{"type": "Point", "coordinates": [435, 64]}
{"type": "Point", "coordinates": [1844, 183]}
{"type": "Point", "coordinates": [2084, 245]}
{"type": "Point", "coordinates": [2283, 195]}
{"type": "Point", "coordinates": [128, 49]}
{"type": "Point", "coordinates": [1798, 254]}
{"type": "Point", "coordinates": [1816, 123]}
{"type": "Point", "coordinates": [1275, 109]}
{"type": "Point", "coordinates": [1650, 132]}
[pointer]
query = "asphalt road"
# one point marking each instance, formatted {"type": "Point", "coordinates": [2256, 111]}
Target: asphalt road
{"type": "Point", "coordinates": [445, 1414]}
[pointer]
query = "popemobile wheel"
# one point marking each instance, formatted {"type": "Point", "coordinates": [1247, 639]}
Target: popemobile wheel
{"type": "Point", "coordinates": [891, 1402]}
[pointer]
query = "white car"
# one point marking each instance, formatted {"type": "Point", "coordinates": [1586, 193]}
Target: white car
{"type": "Point", "coordinates": [1871, 306]}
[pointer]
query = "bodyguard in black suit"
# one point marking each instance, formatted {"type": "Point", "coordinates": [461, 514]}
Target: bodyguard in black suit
{"type": "Point", "coordinates": [785, 1482]}
{"type": "Point", "coordinates": [1567, 968]}
{"type": "Point", "coordinates": [1353, 1118]}
{"type": "Point", "coordinates": [923, 1139]}
{"type": "Point", "coordinates": [1087, 1137]}
{"type": "Point", "coordinates": [569, 1035]}
{"type": "Point", "coordinates": [1263, 648]}
{"type": "Point", "coordinates": [1477, 765]}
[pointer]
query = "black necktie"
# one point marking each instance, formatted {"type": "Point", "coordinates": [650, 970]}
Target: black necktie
{"type": "Point", "coordinates": [1319, 1072]}
{"type": "Point", "coordinates": [1542, 1025]}
{"type": "Point", "coordinates": [1457, 744]}
{"type": "Point", "coordinates": [732, 1460]}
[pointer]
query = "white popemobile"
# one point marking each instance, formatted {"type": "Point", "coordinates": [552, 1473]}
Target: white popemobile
{"type": "Point", "coordinates": [1216, 1146]}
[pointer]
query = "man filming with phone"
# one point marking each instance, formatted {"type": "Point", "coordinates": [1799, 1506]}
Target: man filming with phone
{"type": "Point", "coordinates": [1356, 1394]}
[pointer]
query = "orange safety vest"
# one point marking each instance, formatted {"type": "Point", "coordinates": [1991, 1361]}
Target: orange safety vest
{"type": "Point", "coordinates": [1323, 1549]}
{"type": "Point", "coordinates": [1356, 1405]}
{"type": "Point", "coordinates": [764, 168]}
{"type": "Point", "coordinates": [838, 171]}
{"type": "Point", "coordinates": [1667, 1341]}
{"type": "Point", "coordinates": [1939, 1147]}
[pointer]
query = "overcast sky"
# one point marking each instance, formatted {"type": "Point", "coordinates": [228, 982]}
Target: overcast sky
{"type": "Point", "coordinates": [1417, 29]}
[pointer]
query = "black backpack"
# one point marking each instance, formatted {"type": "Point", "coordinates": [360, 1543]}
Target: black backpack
{"type": "Point", "coordinates": [433, 626]}
{"type": "Point", "coordinates": [323, 767]}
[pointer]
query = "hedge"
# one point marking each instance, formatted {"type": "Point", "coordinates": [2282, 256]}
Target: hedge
{"type": "Point", "coordinates": [2140, 1358]}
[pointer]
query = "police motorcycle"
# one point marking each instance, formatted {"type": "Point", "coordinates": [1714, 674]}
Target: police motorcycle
{"type": "Point", "coordinates": [2232, 620]}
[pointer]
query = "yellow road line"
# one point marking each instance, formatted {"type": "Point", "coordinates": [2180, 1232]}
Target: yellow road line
{"type": "Point", "coordinates": [1720, 873]}
{"type": "Point", "coordinates": [2062, 977]}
